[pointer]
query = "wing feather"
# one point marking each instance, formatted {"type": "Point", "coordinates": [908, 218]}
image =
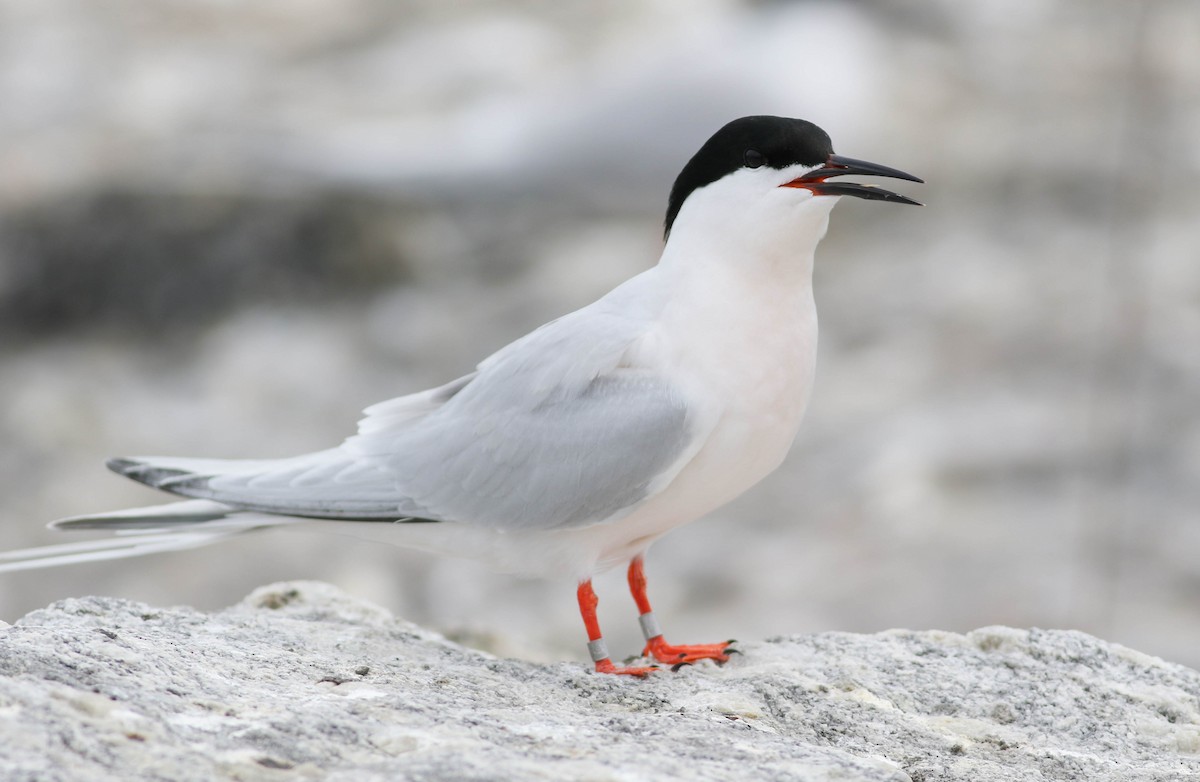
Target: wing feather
{"type": "Point", "coordinates": [562, 428]}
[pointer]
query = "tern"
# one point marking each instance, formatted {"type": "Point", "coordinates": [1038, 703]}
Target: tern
{"type": "Point", "coordinates": [573, 449]}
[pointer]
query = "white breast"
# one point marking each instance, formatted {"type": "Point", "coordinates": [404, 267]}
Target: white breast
{"type": "Point", "coordinates": [747, 360]}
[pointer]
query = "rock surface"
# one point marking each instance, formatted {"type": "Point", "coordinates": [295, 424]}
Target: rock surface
{"type": "Point", "coordinates": [301, 681]}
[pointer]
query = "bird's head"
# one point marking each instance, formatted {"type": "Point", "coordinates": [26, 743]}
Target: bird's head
{"type": "Point", "coordinates": [766, 178]}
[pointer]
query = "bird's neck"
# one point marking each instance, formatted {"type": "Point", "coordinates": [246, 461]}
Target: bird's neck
{"type": "Point", "coordinates": [780, 256]}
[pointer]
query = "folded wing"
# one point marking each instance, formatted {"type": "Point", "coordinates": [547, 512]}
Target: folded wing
{"type": "Point", "coordinates": [559, 429]}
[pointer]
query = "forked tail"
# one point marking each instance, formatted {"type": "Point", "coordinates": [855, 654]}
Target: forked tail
{"type": "Point", "coordinates": [140, 531]}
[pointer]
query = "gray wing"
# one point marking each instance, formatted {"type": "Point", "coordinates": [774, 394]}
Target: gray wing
{"type": "Point", "coordinates": [556, 430]}
{"type": "Point", "coordinates": [552, 432]}
{"type": "Point", "coordinates": [569, 460]}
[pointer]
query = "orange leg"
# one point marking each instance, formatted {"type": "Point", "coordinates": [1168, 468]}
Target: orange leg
{"type": "Point", "coordinates": [596, 645]}
{"type": "Point", "coordinates": [656, 645]}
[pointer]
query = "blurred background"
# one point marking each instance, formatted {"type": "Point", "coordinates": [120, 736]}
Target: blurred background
{"type": "Point", "coordinates": [225, 228]}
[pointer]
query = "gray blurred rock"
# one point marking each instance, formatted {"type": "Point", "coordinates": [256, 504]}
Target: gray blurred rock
{"type": "Point", "coordinates": [300, 680]}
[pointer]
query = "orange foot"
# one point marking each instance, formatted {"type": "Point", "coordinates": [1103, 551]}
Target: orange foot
{"type": "Point", "coordinates": [606, 666]}
{"type": "Point", "coordinates": [664, 652]}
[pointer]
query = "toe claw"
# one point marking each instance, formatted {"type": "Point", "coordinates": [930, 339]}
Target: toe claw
{"type": "Point", "coordinates": [606, 667]}
{"type": "Point", "coordinates": [675, 668]}
{"type": "Point", "coordinates": [664, 652]}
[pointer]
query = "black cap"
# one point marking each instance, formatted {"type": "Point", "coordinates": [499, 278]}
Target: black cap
{"type": "Point", "coordinates": [749, 142]}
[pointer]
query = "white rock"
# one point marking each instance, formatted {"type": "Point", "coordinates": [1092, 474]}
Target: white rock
{"type": "Point", "coordinates": [304, 680]}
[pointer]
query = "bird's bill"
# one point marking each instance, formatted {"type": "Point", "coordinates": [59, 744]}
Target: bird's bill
{"type": "Point", "coordinates": [838, 165]}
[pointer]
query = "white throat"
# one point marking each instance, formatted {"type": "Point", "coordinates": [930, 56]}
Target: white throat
{"type": "Point", "coordinates": [738, 227]}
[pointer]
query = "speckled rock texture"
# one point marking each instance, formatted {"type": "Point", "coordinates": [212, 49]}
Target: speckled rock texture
{"type": "Point", "coordinates": [301, 681]}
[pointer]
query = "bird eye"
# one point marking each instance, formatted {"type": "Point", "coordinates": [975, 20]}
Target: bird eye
{"type": "Point", "coordinates": [754, 159]}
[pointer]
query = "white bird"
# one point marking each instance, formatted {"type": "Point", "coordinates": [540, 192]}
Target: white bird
{"type": "Point", "coordinates": [574, 448]}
